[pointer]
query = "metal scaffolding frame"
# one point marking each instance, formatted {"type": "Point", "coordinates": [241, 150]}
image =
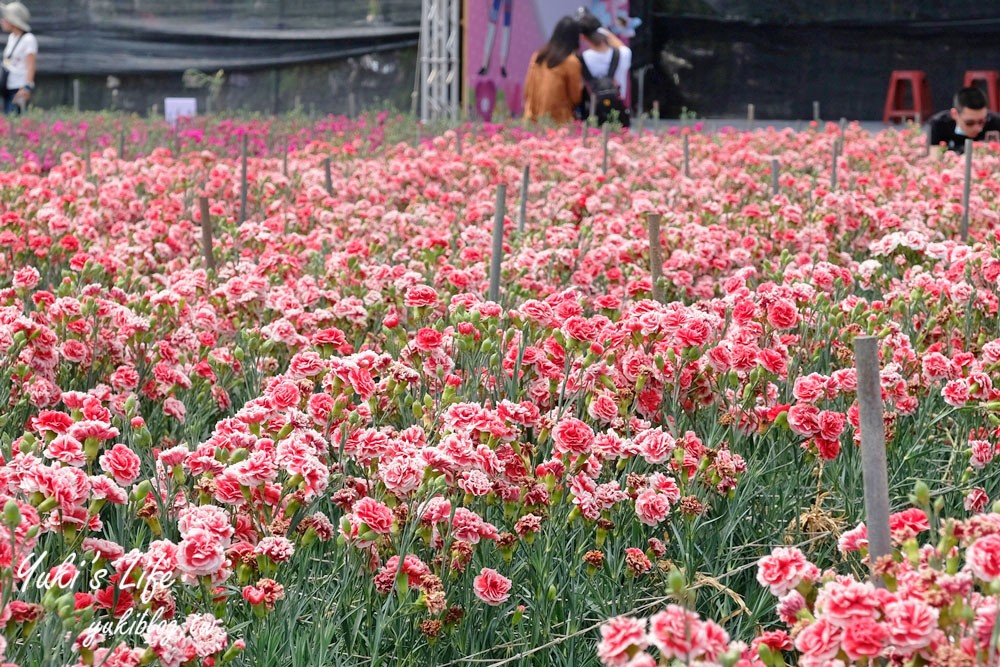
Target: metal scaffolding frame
{"type": "Point", "coordinates": [440, 59]}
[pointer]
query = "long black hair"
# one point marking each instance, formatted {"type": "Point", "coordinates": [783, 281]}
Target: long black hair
{"type": "Point", "coordinates": [564, 41]}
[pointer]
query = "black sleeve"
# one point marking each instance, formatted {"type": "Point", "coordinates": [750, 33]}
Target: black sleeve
{"type": "Point", "coordinates": [940, 129]}
{"type": "Point", "coordinates": [992, 123]}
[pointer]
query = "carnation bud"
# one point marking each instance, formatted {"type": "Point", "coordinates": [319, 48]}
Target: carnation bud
{"type": "Point", "coordinates": [143, 489]}
{"type": "Point", "coordinates": [12, 514]}
{"type": "Point", "coordinates": [130, 406]}
{"type": "Point", "coordinates": [921, 495]}
{"type": "Point", "coordinates": [233, 651]}
{"type": "Point", "coordinates": [676, 581]}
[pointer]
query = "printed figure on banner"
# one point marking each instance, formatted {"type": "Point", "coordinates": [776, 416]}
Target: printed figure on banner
{"type": "Point", "coordinates": [491, 31]}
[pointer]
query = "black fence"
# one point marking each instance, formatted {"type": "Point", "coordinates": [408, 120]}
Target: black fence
{"type": "Point", "coordinates": [275, 55]}
{"type": "Point", "coordinates": [782, 55]}
{"type": "Point", "coordinates": [710, 57]}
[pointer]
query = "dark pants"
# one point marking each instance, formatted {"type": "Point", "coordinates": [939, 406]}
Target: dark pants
{"type": "Point", "coordinates": [8, 102]}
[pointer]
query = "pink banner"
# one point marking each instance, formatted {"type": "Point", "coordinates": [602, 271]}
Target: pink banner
{"type": "Point", "coordinates": [501, 35]}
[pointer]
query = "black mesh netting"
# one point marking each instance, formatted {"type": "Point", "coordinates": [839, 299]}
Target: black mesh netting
{"type": "Point", "coordinates": [324, 55]}
{"type": "Point", "coordinates": [712, 57]}
{"type": "Point", "coordinates": [781, 55]}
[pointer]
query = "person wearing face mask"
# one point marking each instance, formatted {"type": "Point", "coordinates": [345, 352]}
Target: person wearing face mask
{"type": "Point", "coordinates": [969, 118]}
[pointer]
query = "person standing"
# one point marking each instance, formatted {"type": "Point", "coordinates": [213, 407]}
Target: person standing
{"type": "Point", "coordinates": [598, 58]}
{"type": "Point", "coordinates": [18, 57]}
{"type": "Point", "coordinates": [553, 86]}
{"type": "Point", "coordinates": [969, 118]}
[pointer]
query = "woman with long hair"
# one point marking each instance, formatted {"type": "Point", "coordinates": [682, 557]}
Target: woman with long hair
{"type": "Point", "coordinates": [553, 86]}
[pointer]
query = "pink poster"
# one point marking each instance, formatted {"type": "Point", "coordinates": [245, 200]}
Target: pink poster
{"type": "Point", "coordinates": [501, 35]}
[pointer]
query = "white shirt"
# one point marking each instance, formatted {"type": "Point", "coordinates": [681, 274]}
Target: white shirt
{"type": "Point", "coordinates": [15, 59]}
{"type": "Point", "coordinates": [598, 62]}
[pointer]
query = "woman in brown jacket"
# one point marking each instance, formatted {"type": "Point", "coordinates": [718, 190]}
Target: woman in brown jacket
{"type": "Point", "coordinates": [553, 86]}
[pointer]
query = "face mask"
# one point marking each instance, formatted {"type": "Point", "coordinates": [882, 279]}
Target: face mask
{"type": "Point", "coordinates": [959, 131]}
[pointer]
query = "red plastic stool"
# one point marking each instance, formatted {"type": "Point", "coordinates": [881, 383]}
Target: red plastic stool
{"type": "Point", "coordinates": [920, 93]}
{"type": "Point", "coordinates": [992, 79]}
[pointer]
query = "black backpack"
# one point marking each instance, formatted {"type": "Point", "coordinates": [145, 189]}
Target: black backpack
{"type": "Point", "coordinates": [608, 102]}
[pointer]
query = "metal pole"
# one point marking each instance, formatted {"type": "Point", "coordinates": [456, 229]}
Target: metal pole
{"type": "Point", "coordinates": [76, 95]}
{"type": "Point", "coordinates": [455, 58]}
{"type": "Point", "coordinates": [524, 198]}
{"type": "Point", "coordinates": [816, 110]}
{"type": "Point", "coordinates": [422, 68]}
{"type": "Point", "coordinates": [497, 242]}
{"type": "Point", "coordinates": [775, 170]}
{"type": "Point", "coordinates": [206, 234]}
{"type": "Point", "coordinates": [750, 111]}
{"type": "Point", "coordinates": [655, 254]}
{"type": "Point", "coordinates": [121, 145]}
{"type": "Point", "coordinates": [329, 177]}
{"type": "Point", "coordinates": [967, 189]}
{"type": "Point", "coordinates": [873, 460]}
{"type": "Point", "coordinates": [243, 179]}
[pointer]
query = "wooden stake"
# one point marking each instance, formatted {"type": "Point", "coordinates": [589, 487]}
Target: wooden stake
{"type": "Point", "coordinates": [284, 159]}
{"type": "Point", "coordinates": [833, 169]}
{"type": "Point", "coordinates": [873, 460]}
{"type": "Point", "coordinates": [687, 158]}
{"type": "Point", "coordinates": [604, 139]}
{"type": "Point", "coordinates": [655, 254]}
{"type": "Point", "coordinates": [206, 234]}
{"type": "Point", "coordinates": [967, 189]}
{"type": "Point", "coordinates": [495, 260]}
{"type": "Point", "coordinates": [244, 186]}
{"type": "Point", "coordinates": [525, 176]}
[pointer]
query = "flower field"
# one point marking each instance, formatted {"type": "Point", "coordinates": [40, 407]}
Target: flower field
{"type": "Point", "coordinates": [331, 448]}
